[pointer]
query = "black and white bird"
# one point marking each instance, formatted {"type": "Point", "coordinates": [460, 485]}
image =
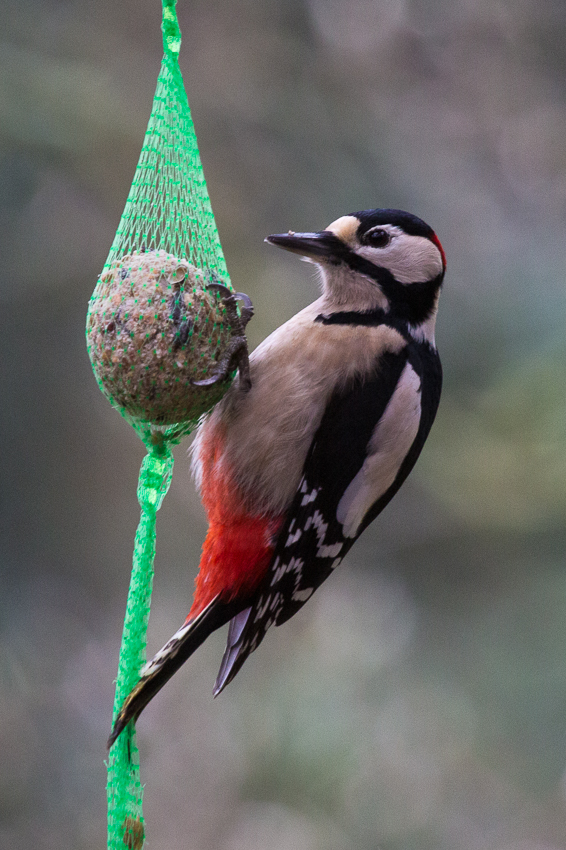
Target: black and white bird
{"type": "Point", "coordinates": [291, 471]}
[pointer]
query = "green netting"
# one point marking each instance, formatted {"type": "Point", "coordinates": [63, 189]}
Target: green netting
{"type": "Point", "coordinates": [124, 788]}
{"type": "Point", "coordinates": [152, 328]}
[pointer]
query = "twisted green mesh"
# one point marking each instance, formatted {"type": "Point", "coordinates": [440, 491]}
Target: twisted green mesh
{"type": "Point", "coordinates": [125, 791]}
{"type": "Point", "coordinates": [168, 211]}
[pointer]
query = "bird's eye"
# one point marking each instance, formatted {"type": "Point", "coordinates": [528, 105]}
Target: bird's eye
{"type": "Point", "coordinates": [377, 238]}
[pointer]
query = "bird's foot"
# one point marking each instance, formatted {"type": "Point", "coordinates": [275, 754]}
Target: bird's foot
{"type": "Point", "coordinates": [229, 299]}
{"type": "Point", "coordinates": [236, 354]}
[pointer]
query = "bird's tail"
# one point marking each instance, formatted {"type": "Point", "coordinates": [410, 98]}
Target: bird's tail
{"type": "Point", "coordinates": [167, 661]}
{"type": "Point", "coordinates": [236, 652]}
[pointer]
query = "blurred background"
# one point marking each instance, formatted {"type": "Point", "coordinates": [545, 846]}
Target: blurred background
{"type": "Point", "coordinates": [418, 702]}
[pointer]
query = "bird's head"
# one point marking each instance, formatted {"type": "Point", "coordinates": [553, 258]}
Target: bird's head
{"type": "Point", "coordinates": [376, 259]}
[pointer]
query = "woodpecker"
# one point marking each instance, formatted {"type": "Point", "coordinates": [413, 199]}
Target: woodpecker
{"type": "Point", "coordinates": [292, 470]}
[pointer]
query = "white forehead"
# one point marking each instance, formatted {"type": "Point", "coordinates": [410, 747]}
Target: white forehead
{"type": "Point", "coordinates": [345, 229]}
{"type": "Point", "coordinates": [410, 259]}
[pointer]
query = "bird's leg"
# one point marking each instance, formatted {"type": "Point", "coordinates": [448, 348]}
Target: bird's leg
{"type": "Point", "coordinates": [236, 354]}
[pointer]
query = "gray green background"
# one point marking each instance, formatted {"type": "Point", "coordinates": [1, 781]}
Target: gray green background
{"type": "Point", "coordinates": [418, 702]}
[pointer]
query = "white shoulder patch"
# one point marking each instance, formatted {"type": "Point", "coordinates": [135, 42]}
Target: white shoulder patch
{"type": "Point", "coordinates": [391, 440]}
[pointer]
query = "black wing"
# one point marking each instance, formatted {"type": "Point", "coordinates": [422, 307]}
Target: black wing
{"type": "Point", "coordinates": [312, 542]}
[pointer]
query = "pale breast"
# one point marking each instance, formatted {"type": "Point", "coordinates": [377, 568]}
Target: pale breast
{"type": "Point", "coordinates": [268, 430]}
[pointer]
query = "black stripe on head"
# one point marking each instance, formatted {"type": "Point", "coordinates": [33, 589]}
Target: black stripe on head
{"type": "Point", "coordinates": [406, 221]}
{"type": "Point", "coordinates": [412, 302]}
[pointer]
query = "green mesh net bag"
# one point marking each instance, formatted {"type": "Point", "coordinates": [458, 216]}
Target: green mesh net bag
{"type": "Point", "coordinates": [160, 326]}
{"type": "Point", "coordinates": [164, 336]}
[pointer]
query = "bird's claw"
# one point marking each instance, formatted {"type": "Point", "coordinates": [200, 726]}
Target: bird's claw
{"type": "Point", "coordinates": [247, 311]}
{"type": "Point", "coordinates": [229, 299]}
{"type": "Point", "coordinates": [236, 354]}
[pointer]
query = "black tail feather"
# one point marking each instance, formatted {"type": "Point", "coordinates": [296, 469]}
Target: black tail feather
{"type": "Point", "coordinates": [231, 661]}
{"type": "Point", "coordinates": [168, 660]}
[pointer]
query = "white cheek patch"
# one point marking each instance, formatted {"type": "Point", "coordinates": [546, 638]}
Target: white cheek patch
{"type": "Point", "coordinates": [390, 442]}
{"type": "Point", "coordinates": [410, 259]}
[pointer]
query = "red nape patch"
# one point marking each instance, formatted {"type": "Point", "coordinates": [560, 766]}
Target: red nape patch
{"type": "Point", "coordinates": [434, 238]}
{"type": "Point", "coordinates": [238, 547]}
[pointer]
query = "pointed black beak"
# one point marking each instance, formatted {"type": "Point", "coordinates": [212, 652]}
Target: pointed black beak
{"type": "Point", "coordinates": [322, 245]}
